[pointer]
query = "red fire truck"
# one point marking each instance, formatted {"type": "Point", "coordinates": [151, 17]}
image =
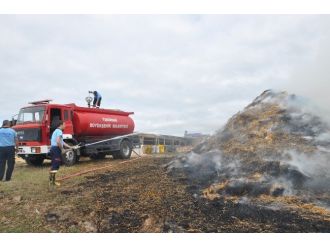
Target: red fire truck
{"type": "Point", "coordinates": [99, 132]}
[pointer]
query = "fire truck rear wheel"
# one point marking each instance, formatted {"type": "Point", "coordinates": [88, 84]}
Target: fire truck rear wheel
{"type": "Point", "coordinates": [125, 149]}
{"type": "Point", "coordinates": [35, 160]}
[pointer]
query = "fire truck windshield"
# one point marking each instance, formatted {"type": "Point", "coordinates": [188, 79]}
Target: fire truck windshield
{"type": "Point", "coordinates": [31, 115]}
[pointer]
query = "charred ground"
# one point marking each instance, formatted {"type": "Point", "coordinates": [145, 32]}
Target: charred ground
{"type": "Point", "coordinates": [145, 198]}
{"type": "Point", "coordinates": [142, 197]}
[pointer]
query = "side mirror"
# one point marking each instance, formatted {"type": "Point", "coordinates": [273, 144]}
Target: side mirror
{"type": "Point", "coordinates": [13, 120]}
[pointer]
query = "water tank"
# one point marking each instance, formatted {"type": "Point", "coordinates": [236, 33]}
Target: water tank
{"type": "Point", "coordinates": [92, 122]}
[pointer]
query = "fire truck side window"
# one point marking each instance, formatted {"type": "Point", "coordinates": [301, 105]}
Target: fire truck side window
{"type": "Point", "coordinates": [55, 115]}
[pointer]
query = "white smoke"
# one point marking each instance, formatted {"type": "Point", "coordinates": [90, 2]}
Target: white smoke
{"type": "Point", "coordinates": [315, 165]}
{"type": "Point", "coordinates": [312, 79]}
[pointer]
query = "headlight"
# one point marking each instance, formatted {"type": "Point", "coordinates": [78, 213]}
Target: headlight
{"type": "Point", "coordinates": [35, 150]}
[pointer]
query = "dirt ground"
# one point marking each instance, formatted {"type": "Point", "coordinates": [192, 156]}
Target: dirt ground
{"type": "Point", "coordinates": [139, 196]}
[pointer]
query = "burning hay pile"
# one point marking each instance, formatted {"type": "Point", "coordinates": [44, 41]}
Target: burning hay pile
{"type": "Point", "coordinates": [277, 147]}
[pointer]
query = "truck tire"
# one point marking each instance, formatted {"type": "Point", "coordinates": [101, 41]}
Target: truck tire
{"type": "Point", "coordinates": [125, 149]}
{"type": "Point", "coordinates": [36, 160]}
{"type": "Point", "coordinates": [69, 158]}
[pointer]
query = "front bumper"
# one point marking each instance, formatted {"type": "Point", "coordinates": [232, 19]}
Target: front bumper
{"type": "Point", "coordinates": [27, 150]}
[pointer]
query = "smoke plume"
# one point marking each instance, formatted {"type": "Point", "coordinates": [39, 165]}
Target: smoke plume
{"type": "Point", "coordinates": [312, 79]}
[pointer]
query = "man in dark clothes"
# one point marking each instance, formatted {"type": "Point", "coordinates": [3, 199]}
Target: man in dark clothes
{"type": "Point", "coordinates": [97, 99]}
{"type": "Point", "coordinates": [8, 143]}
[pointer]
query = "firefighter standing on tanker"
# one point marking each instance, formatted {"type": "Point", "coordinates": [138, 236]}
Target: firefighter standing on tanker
{"type": "Point", "coordinates": [97, 99]}
{"type": "Point", "coordinates": [56, 150]}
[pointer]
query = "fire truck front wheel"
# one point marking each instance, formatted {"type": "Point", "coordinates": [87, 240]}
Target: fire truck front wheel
{"type": "Point", "coordinates": [69, 157]}
{"type": "Point", "coordinates": [36, 160]}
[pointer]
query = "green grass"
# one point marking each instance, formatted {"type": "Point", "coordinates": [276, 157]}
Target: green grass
{"type": "Point", "coordinates": [37, 197]}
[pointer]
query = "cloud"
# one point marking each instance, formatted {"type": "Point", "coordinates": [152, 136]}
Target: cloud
{"type": "Point", "coordinates": [176, 72]}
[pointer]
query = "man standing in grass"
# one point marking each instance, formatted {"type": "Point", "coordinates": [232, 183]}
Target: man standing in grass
{"type": "Point", "coordinates": [56, 150]}
{"type": "Point", "coordinates": [8, 143]}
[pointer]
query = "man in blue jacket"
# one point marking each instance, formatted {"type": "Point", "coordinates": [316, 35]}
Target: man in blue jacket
{"type": "Point", "coordinates": [8, 143]}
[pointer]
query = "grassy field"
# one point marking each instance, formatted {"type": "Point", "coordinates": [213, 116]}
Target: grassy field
{"type": "Point", "coordinates": [27, 198]}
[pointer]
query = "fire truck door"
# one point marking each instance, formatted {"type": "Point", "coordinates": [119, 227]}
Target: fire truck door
{"type": "Point", "coordinates": [67, 118]}
{"type": "Point", "coordinates": [55, 115]}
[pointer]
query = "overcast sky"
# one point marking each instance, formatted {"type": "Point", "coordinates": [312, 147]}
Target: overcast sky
{"type": "Point", "coordinates": [176, 72]}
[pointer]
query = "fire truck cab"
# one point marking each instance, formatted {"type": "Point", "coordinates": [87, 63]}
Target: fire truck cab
{"type": "Point", "coordinates": [35, 125]}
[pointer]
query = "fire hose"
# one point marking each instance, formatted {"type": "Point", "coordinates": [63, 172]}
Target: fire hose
{"type": "Point", "coordinates": [98, 142]}
{"type": "Point", "coordinates": [95, 169]}
{"type": "Point", "coordinates": [99, 168]}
